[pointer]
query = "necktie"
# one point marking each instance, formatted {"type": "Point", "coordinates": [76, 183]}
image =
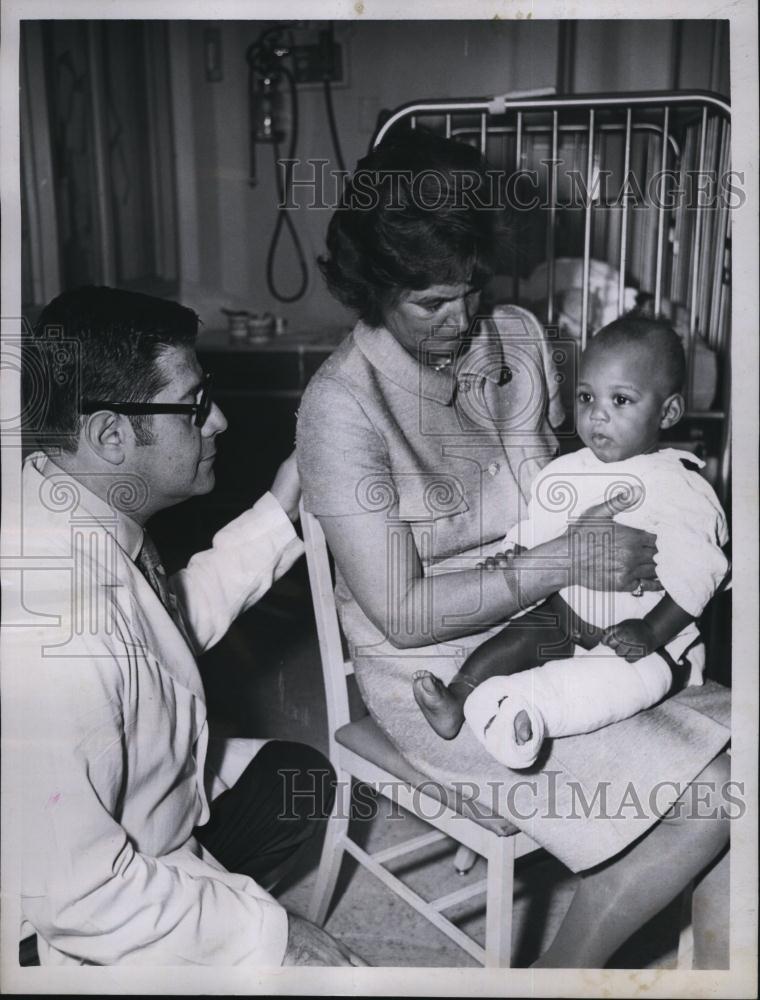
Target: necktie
{"type": "Point", "coordinates": [149, 563]}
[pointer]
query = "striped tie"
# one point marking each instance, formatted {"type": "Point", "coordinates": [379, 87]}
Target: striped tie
{"type": "Point", "coordinates": [149, 563]}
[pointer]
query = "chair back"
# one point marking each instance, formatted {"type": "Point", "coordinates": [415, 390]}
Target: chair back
{"type": "Point", "coordinates": [336, 667]}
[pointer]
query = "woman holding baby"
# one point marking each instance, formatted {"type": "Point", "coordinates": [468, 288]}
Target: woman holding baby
{"type": "Point", "coordinates": [419, 440]}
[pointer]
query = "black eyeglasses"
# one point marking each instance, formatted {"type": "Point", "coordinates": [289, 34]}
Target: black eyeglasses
{"type": "Point", "coordinates": [199, 410]}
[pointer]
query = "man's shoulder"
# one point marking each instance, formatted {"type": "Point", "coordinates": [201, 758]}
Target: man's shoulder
{"type": "Point", "coordinates": [42, 510]}
{"type": "Point", "coordinates": [72, 569]}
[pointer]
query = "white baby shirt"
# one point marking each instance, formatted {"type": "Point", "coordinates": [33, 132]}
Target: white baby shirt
{"type": "Point", "coordinates": [676, 504]}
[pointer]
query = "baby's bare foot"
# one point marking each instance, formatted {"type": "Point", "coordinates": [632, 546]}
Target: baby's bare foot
{"type": "Point", "coordinates": [439, 706]}
{"type": "Point", "coordinates": [523, 731]}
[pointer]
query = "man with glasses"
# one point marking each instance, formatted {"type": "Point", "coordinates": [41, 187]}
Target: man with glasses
{"type": "Point", "coordinates": [133, 850]}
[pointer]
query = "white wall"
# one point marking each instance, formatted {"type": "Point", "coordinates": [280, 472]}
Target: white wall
{"type": "Point", "coordinates": [230, 223]}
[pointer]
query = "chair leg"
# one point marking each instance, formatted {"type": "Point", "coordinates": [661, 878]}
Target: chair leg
{"type": "Point", "coordinates": [686, 935]}
{"type": "Point", "coordinates": [332, 851]}
{"type": "Point", "coordinates": [464, 859]}
{"type": "Point", "coordinates": [499, 896]}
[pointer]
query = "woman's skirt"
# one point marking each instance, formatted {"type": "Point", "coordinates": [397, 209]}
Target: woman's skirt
{"type": "Point", "coordinates": [587, 797]}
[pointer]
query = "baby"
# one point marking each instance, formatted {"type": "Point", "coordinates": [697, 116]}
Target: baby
{"type": "Point", "coordinates": [521, 685]}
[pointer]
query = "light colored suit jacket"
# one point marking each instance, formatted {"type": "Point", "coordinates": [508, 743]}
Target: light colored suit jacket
{"type": "Point", "coordinates": [109, 718]}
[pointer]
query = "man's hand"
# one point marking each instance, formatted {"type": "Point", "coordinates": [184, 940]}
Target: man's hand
{"type": "Point", "coordinates": [631, 639]}
{"type": "Point", "coordinates": [286, 487]}
{"type": "Point", "coordinates": [310, 945]}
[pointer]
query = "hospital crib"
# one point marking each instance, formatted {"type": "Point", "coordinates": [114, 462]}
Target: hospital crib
{"type": "Point", "coordinates": [579, 263]}
{"type": "Point", "coordinates": [624, 201]}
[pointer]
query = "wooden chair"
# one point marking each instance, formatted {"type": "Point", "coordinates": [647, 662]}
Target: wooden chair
{"type": "Point", "coordinates": [359, 750]}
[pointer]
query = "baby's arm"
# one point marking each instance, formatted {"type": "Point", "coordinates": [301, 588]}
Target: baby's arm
{"type": "Point", "coordinates": [634, 638]}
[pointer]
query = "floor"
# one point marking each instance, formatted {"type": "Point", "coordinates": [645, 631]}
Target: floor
{"type": "Point", "coordinates": [385, 931]}
{"type": "Point", "coordinates": [265, 679]}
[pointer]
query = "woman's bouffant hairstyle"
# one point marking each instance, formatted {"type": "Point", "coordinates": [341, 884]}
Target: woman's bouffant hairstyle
{"type": "Point", "coordinates": [419, 210]}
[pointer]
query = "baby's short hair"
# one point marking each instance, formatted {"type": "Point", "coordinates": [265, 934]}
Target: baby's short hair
{"type": "Point", "coordinates": [658, 335]}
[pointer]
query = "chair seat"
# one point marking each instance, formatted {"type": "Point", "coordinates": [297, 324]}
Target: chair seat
{"type": "Point", "coordinates": [365, 738]}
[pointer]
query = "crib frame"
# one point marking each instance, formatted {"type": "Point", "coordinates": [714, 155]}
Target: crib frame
{"type": "Point", "coordinates": [693, 248]}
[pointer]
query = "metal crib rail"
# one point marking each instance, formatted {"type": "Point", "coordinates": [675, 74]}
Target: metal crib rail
{"type": "Point", "coordinates": [691, 129]}
{"type": "Point", "coordinates": [491, 106]}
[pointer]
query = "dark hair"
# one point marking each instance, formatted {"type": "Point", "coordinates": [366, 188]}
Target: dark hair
{"type": "Point", "coordinates": [416, 212]}
{"type": "Point", "coordinates": [659, 336]}
{"type": "Point", "coordinates": [98, 343]}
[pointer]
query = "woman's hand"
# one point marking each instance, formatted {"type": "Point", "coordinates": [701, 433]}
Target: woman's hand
{"type": "Point", "coordinates": [286, 488]}
{"type": "Point", "coordinates": [609, 556]}
{"type": "Point", "coordinates": [501, 560]}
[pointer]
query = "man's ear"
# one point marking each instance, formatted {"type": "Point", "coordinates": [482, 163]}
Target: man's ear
{"type": "Point", "coordinates": [672, 410]}
{"type": "Point", "coordinates": [107, 434]}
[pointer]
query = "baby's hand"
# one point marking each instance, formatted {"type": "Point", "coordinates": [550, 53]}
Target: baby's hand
{"type": "Point", "coordinates": [631, 639]}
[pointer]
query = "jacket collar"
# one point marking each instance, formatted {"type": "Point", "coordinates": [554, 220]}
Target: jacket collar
{"type": "Point", "coordinates": [57, 502]}
{"type": "Point", "coordinates": [55, 488]}
{"type": "Point", "coordinates": [384, 353]}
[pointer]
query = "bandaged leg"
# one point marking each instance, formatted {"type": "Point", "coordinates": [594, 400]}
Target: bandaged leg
{"type": "Point", "coordinates": [491, 711]}
{"type": "Point", "coordinates": [592, 689]}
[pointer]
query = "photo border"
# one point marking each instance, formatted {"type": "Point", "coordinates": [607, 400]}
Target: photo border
{"type": "Point", "coordinates": [741, 980]}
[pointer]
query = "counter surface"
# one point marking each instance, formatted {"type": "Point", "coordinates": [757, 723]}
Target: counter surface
{"type": "Point", "coordinates": [293, 341]}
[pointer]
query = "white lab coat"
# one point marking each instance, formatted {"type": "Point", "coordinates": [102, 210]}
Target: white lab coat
{"type": "Point", "coordinates": [108, 715]}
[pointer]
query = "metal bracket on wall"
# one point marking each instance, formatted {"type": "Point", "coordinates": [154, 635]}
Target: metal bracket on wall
{"type": "Point", "coordinates": [319, 62]}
